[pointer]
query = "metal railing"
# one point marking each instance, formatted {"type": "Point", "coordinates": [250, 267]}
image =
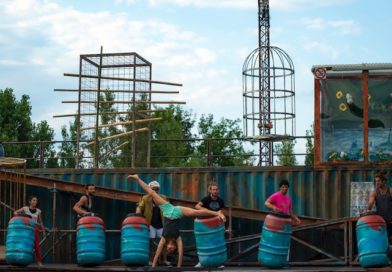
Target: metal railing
{"type": "Point", "coordinates": [208, 158]}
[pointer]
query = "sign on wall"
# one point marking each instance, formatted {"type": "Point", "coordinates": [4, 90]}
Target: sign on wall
{"type": "Point", "coordinates": [360, 192]}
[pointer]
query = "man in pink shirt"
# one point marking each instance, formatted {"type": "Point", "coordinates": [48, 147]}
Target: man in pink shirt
{"type": "Point", "coordinates": [280, 202]}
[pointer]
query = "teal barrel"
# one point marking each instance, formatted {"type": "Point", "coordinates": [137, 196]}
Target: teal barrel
{"type": "Point", "coordinates": [19, 246]}
{"type": "Point", "coordinates": [275, 240]}
{"type": "Point", "coordinates": [372, 240]}
{"type": "Point", "coordinates": [135, 240]}
{"type": "Point", "coordinates": [90, 241]}
{"type": "Point", "coordinates": [210, 241]}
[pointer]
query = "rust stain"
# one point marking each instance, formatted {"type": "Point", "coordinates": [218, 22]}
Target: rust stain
{"type": "Point", "coordinates": [136, 222]}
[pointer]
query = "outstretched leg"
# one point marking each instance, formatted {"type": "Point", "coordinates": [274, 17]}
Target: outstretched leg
{"type": "Point", "coordinates": [202, 212]}
{"type": "Point", "coordinates": [156, 197]}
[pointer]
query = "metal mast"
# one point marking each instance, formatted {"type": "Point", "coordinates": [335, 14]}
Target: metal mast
{"type": "Point", "coordinates": [265, 154]}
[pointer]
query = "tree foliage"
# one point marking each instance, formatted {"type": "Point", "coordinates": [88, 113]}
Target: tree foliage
{"type": "Point", "coordinates": [309, 158]}
{"type": "Point", "coordinates": [16, 126]}
{"type": "Point", "coordinates": [224, 152]}
{"type": "Point", "coordinates": [176, 123]}
{"type": "Point", "coordinates": [68, 149]}
{"type": "Point", "coordinates": [285, 152]}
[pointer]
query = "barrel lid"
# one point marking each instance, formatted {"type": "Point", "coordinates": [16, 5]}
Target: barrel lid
{"type": "Point", "coordinates": [279, 214]}
{"type": "Point", "coordinates": [22, 215]}
{"type": "Point", "coordinates": [368, 213]}
{"type": "Point", "coordinates": [135, 214]}
{"type": "Point", "coordinates": [89, 214]}
{"type": "Point", "coordinates": [80, 216]}
{"type": "Point", "coordinates": [211, 221]}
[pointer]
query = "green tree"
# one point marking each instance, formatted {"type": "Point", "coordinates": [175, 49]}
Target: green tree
{"type": "Point", "coordinates": [309, 158]}
{"type": "Point", "coordinates": [176, 123]}
{"type": "Point", "coordinates": [106, 147]}
{"type": "Point", "coordinates": [44, 151]}
{"type": "Point", "coordinates": [224, 152]}
{"type": "Point", "coordinates": [285, 152]}
{"type": "Point", "coordinates": [15, 123]}
{"type": "Point", "coordinates": [123, 157]}
{"type": "Point", "coordinates": [67, 153]}
{"type": "Point", "coordinates": [16, 126]}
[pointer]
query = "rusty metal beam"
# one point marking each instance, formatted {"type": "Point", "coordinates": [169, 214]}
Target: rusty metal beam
{"type": "Point", "coordinates": [247, 251]}
{"type": "Point", "coordinates": [319, 250]}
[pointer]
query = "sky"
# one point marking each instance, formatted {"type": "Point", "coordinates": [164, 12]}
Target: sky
{"type": "Point", "coordinates": [199, 43]}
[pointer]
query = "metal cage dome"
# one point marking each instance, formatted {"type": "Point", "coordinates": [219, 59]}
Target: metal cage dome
{"type": "Point", "coordinates": [269, 103]}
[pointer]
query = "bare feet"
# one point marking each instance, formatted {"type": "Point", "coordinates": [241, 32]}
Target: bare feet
{"type": "Point", "coordinates": [40, 264]}
{"type": "Point", "coordinates": [222, 216]}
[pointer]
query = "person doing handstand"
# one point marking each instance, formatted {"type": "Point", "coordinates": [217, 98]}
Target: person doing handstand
{"type": "Point", "coordinates": [171, 227]}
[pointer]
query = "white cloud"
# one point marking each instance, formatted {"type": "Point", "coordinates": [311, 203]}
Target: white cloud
{"type": "Point", "coordinates": [51, 38]}
{"type": "Point", "coordinates": [288, 5]}
{"type": "Point", "coordinates": [10, 62]}
{"type": "Point", "coordinates": [285, 5]}
{"type": "Point", "coordinates": [339, 27]}
{"type": "Point", "coordinates": [128, 2]}
{"type": "Point", "coordinates": [66, 33]}
{"type": "Point", "coordinates": [324, 48]}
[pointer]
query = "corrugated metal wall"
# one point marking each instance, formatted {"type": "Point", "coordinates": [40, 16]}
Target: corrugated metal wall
{"type": "Point", "coordinates": [315, 192]}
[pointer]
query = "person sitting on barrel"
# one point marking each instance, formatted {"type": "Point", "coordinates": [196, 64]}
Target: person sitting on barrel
{"type": "Point", "coordinates": [171, 227]}
{"type": "Point", "coordinates": [280, 202]}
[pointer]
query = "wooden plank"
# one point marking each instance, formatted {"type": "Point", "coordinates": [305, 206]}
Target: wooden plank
{"type": "Point", "coordinates": [124, 79]}
{"type": "Point", "coordinates": [116, 91]}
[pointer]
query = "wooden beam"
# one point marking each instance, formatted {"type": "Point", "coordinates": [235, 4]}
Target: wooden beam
{"type": "Point", "coordinates": [116, 91]}
{"type": "Point", "coordinates": [108, 113]}
{"type": "Point", "coordinates": [119, 135]}
{"type": "Point", "coordinates": [123, 102]}
{"type": "Point", "coordinates": [115, 149]}
{"type": "Point", "coordinates": [124, 79]}
{"type": "Point", "coordinates": [125, 123]}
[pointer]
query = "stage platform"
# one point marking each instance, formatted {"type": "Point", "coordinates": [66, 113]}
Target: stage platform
{"type": "Point", "coordinates": [75, 268]}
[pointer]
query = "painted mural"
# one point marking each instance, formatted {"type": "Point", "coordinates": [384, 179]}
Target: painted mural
{"type": "Point", "coordinates": [342, 120]}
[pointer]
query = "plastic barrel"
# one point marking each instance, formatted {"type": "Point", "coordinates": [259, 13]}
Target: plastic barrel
{"type": "Point", "coordinates": [90, 241]}
{"type": "Point", "coordinates": [275, 240]}
{"type": "Point", "coordinates": [210, 241]}
{"type": "Point", "coordinates": [135, 240]}
{"type": "Point", "coordinates": [372, 240]}
{"type": "Point", "coordinates": [19, 247]}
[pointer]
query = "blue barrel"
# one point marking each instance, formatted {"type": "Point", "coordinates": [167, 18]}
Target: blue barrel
{"type": "Point", "coordinates": [275, 240]}
{"type": "Point", "coordinates": [210, 241]}
{"type": "Point", "coordinates": [135, 240]}
{"type": "Point", "coordinates": [90, 241]}
{"type": "Point", "coordinates": [372, 241]}
{"type": "Point", "coordinates": [19, 246]}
